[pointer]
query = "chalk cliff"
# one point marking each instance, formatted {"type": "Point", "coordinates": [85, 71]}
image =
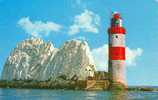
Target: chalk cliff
{"type": "Point", "coordinates": [34, 59]}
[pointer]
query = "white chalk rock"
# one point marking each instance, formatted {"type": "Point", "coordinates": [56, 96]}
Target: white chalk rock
{"type": "Point", "coordinates": [33, 59]}
{"type": "Point", "coordinates": [72, 58]}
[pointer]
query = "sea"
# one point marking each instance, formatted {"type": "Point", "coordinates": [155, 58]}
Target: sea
{"type": "Point", "coordinates": [48, 94]}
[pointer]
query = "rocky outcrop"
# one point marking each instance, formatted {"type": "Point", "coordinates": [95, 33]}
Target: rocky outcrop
{"type": "Point", "coordinates": [34, 59]}
{"type": "Point", "coordinates": [74, 59]}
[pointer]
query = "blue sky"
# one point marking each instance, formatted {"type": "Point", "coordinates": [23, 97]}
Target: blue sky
{"type": "Point", "coordinates": [66, 20]}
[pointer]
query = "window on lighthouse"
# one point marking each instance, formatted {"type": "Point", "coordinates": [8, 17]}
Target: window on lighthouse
{"type": "Point", "coordinates": [116, 36]}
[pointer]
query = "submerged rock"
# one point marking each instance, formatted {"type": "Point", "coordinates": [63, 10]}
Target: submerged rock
{"type": "Point", "coordinates": [34, 59]}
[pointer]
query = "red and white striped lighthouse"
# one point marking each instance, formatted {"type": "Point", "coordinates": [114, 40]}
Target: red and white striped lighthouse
{"type": "Point", "coordinates": [117, 50]}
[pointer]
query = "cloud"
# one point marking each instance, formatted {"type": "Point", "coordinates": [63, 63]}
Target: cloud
{"type": "Point", "coordinates": [86, 22]}
{"type": "Point", "coordinates": [100, 56]}
{"type": "Point", "coordinates": [38, 28]}
{"type": "Point", "coordinates": [132, 54]}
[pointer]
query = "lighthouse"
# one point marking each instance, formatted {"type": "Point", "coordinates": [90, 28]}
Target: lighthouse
{"type": "Point", "coordinates": [116, 36]}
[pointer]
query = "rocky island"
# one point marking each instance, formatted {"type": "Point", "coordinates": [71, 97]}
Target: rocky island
{"type": "Point", "coordinates": [38, 64]}
{"type": "Point", "coordinates": [34, 63]}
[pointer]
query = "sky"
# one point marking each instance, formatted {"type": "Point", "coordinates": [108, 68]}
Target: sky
{"type": "Point", "coordinates": [61, 20]}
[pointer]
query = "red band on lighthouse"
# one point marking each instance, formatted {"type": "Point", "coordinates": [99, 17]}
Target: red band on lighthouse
{"type": "Point", "coordinates": [117, 53]}
{"type": "Point", "coordinates": [116, 30]}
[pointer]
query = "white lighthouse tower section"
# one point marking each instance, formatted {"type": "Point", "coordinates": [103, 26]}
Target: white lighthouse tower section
{"type": "Point", "coordinates": [117, 40]}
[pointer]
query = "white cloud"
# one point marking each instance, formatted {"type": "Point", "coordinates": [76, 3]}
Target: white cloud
{"type": "Point", "coordinates": [132, 54]}
{"type": "Point", "coordinates": [100, 56]}
{"type": "Point", "coordinates": [38, 28]}
{"type": "Point", "coordinates": [86, 22]}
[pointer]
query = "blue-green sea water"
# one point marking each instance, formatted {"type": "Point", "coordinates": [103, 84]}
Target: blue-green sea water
{"type": "Point", "coordinates": [43, 94]}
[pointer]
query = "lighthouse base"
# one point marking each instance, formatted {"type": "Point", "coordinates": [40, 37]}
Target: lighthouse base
{"type": "Point", "coordinates": [117, 86]}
